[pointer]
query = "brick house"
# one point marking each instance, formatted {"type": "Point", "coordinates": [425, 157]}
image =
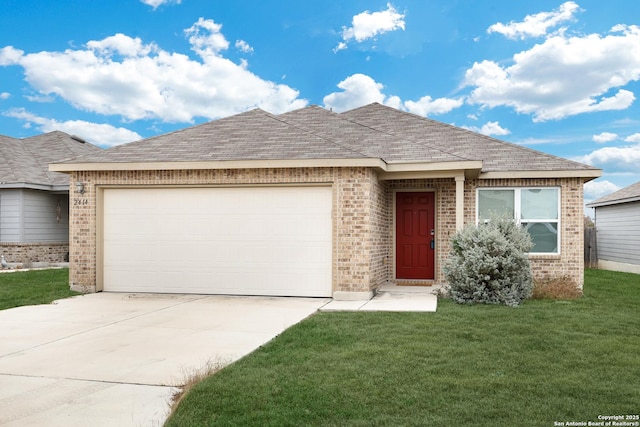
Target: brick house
{"type": "Point", "coordinates": [34, 202]}
{"type": "Point", "coordinates": [310, 203]}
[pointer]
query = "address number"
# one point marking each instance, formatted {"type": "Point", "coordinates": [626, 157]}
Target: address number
{"type": "Point", "coordinates": [80, 202]}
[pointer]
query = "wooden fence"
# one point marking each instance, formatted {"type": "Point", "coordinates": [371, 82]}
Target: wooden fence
{"type": "Point", "coordinates": [590, 248]}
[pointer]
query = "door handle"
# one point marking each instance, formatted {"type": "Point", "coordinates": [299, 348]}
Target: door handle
{"type": "Point", "coordinates": [433, 243]}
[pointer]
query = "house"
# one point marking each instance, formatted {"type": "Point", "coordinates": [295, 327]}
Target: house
{"type": "Point", "coordinates": [310, 203]}
{"type": "Point", "coordinates": [617, 218]}
{"type": "Point", "coordinates": [34, 203]}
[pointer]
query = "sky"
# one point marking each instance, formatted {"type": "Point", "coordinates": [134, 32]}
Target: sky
{"type": "Point", "coordinates": [558, 77]}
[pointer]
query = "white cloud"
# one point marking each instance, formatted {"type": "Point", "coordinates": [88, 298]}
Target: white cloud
{"type": "Point", "coordinates": [596, 189]}
{"type": "Point", "coordinates": [633, 138]}
{"type": "Point", "coordinates": [124, 76]}
{"type": "Point", "coordinates": [156, 3]}
{"type": "Point", "coordinates": [243, 46]}
{"type": "Point", "coordinates": [425, 105]}
{"type": "Point", "coordinates": [367, 25]}
{"type": "Point", "coordinates": [99, 134]}
{"type": "Point", "coordinates": [360, 89]}
{"type": "Point", "coordinates": [5, 95]}
{"type": "Point", "coordinates": [614, 159]}
{"type": "Point", "coordinates": [10, 55]}
{"type": "Point", "coordinates": [536, 25]}
{"type": "Point", "coordinates": [563, 76]}
{"type": "Point", "coordinates": [605, 137]}
{"type": "Point", "coordinates": [206, 39]}
{"type": "Point", "coordinates": [122, 45]}
{"type": "Point", "coordinates": [489, 128]}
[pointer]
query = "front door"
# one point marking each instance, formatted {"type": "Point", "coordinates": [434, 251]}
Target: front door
{"type": "Point", "coordinates": [415, 235]}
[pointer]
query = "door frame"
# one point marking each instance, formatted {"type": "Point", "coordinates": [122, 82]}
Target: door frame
{"type": "Point", "coordinates": [394, 243]}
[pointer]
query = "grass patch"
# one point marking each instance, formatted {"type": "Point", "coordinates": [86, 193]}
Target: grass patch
{"type": "Point", "coordinates": [542, 362]}
{"type": "Point", "coordinates": [34, 287]}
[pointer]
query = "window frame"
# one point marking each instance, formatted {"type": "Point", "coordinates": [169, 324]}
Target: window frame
{"type": "Point", "coordinates": [517, 211]}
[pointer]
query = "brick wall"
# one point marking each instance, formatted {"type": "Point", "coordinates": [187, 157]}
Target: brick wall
{"type": "Point", "coordinates": [27, 253]}
{"type": "Point", "coordinates": [353, 213]}
{"type": "Point", "coordinates": [363, 236]}
{"type": "Point", "coordinates": [570, 261]}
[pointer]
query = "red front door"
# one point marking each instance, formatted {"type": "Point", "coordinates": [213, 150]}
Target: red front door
{"type": "Point", "coordinates": [415, 234]}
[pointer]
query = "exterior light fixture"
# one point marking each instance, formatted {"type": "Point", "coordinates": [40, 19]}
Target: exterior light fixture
{"type": "Point", "coordinates": [79, 187]}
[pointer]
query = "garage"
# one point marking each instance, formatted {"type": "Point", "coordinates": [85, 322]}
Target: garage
{"type": "Point", "coordinates": [212, 240]}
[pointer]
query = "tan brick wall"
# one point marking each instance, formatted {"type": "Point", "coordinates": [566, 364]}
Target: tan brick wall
{"type": "Point", "coordinates": [353, 210]}
{"type": "Point", "coordinates": [363, 236]}
{"type": "Point", "coordinates": [570, 261]}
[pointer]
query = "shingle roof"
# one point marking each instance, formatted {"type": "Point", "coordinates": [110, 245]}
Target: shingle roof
{"type": "Point", "coordinates": [370, 132]}
{"type": "Point", "coordinates": [625, 195]}
{"type": "Point", "coordinates": [254, 135]}
{"type": "Point", "coordinates": [26, 161]}
{"type": "Point", "coordinates": [496, 155]}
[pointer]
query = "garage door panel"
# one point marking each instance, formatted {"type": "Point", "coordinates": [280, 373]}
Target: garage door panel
{"type": "Point", "coordinates": [252, 241]}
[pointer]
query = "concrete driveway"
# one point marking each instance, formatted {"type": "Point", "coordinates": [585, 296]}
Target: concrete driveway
{"type": "Point", "coordinates": [111, 359]}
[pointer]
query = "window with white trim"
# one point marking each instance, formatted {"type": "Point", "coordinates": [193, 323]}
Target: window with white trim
{"type": "Point", "coordinates": [537, 209]}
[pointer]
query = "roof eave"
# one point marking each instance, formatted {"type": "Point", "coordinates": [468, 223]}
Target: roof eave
{"type": "Point", "coordinates": [586, 174]}
{"type": "Point", "coordinates": [468, 169]}
{"type": "Point", "coordinates": [597, 204]}
{"type": "Point", "coordinates": [406, 170]}
{"type": "Point", "coordinates": [34, 186]}
{"type": "Point", "coordinates": [217, 164]}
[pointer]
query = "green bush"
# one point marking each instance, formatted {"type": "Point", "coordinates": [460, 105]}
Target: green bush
{"type": "Point", "coordinates": [489, 264]}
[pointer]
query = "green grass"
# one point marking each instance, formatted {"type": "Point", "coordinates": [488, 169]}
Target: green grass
{"type": "Point", "coordinates": [542, 362]}
{"type": "Point", "coordinates": [33, 287]}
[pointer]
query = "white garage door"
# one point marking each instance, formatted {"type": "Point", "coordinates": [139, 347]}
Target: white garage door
{"type": "Point", "coordinates": [243, 241]}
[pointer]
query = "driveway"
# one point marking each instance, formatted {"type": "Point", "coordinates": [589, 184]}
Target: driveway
{"type": "Point", "coordinates": [112, 359]}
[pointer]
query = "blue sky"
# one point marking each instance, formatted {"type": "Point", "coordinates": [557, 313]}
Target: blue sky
{"type": "Point", "coordinates": [559, 77]}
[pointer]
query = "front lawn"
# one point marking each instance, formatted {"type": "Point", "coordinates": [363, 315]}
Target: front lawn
{"type": "Point", "coordinates": [34, 287]}
{"type": "Point", "coordinates": [544, 362]}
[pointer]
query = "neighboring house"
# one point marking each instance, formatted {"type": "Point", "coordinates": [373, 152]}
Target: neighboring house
{"type": "Point", "coordinates": [310, 203]}
{"type": "Point", "coordinates": [617, 218]}
{"type": "Point", "coordinates": [34, 203]}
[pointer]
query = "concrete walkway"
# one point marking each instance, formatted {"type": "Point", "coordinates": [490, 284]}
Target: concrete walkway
{"type": "Point", "coordinates": [111, 359]}
{"type": "Point", "coordinates": [392, 298]}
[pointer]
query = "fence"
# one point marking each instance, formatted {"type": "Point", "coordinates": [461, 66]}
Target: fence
{"type": "Point", "coordinates": [590, 248]}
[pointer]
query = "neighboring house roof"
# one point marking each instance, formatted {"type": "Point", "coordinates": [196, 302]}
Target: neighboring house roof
{"type": "Point", "coordinates": [373, 135]}
{"type": "Point", "coordinates": [24, 163]}
{"type": "Point", "coordinates": [625, 195]}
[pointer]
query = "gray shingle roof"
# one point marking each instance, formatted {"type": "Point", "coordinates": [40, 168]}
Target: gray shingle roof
{"type": "Point", "coordinates": [496, 155]}
{"type": "Point", "coordinates": [370, 132]}
{"type": "Point", "coordinates": [26, 161]}
{"type": "Point", "coordinates": [624, 195]}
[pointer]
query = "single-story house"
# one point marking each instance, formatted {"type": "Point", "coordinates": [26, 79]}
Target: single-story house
{"type": "Point", "coordinates": [34, 202]}
{"type": "Point", "coordinates": [617, 218]}
{"type": "Point", "coordinates": [310, 203]}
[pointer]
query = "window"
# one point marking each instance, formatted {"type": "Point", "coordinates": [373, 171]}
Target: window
{"type": "Point", "coordinates": [536, 209]}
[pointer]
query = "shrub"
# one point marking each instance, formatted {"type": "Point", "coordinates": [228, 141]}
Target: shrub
{"type": "Point", "coordinates": [562, 287]}
{"type": "Point", "coordinates": [489, 264]}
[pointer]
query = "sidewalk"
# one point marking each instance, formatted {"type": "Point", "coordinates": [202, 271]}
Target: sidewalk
{"type": "Point", "coordinates": [392, 298]}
